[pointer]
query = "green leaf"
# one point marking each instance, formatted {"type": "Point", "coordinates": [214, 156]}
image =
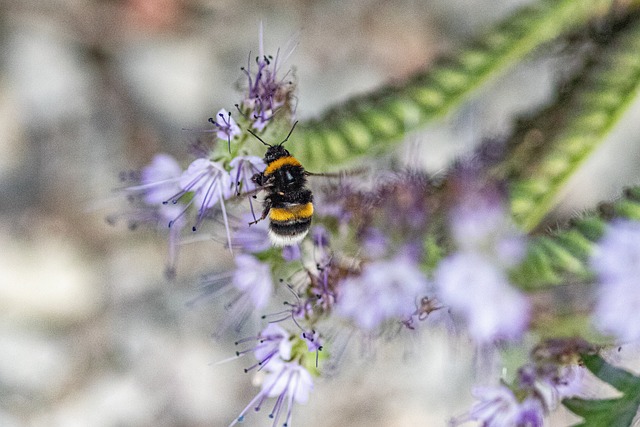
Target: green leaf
{"type": "Point", "coordinates": [606, 89]}
{"type": "Point", "coordinates": [369, 123]}
{"type": "Point", "coordinates": [618, 412]}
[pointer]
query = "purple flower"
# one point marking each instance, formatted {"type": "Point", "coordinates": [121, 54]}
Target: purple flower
{"type": "Point", "coordinates": [616, 261]}
{"type": "Point", "coordinates": [160, 179]}
{"type": "Point", "coordinates": [498, 407]}
{"type": "Point", "coordinates": [242, 170]}
{"type": "Point", "coordinates": [374, 243]}
{"type": "Point", "coordinates": [384, 290]}
{"type": "Point", "coordinates": [320, 236]}
{"type": "Point", "coordinates": [244, 291]}
{"type": "Point", "coordinates": [291, 253]}
{"type": "Point", "coordinates": [569, 381]}
{"type": "Point", "coordinates": [288, 379]}
{"type": "Point", "coordinates": [550, 382]}
{"type": "Point", "coordinates": [313, 340]}
{"type": "Point", "coordinates": [209, 183]}
{"type": "Point", "coordinates": [537, 389]}
{"type": "Point", "coordinates": [227, 127]}
{"type": "Point", "coordinates": [253, 278]}
{"type": "Point", "coordinates": [485, 227]}
{"type": "Point", "coordinates": [274, 341]}
{"type": "Point", "coordinates": [266, 92]}
{"type": "Point", "coordinates": [479, 291]}
{"type": "Point", "coordinates": [289, 383]}
{"type": "Point", "coordinates": [251, 238]}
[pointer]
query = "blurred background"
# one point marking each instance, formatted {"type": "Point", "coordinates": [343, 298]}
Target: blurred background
{"type": "Point", "coordinates": [91, 331]}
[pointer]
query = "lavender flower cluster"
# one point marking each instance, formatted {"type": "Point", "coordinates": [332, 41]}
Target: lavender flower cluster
{"type": "Point", "coordinates": [386, 252]}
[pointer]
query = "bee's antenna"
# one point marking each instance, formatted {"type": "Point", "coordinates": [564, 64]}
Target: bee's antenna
{"type": "Point", "coordinates": [258, 138]}
{"type": "Point", "coordinates": [290, 132]}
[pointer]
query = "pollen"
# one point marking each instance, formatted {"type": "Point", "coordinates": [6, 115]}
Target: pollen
{"type": "Point", "coordinates": [291, 213]}
{"type": "Point", "coordinates": [282, 161]}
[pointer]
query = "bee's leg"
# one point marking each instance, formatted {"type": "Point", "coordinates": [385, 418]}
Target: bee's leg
{"type": "Point", "coordinates": [265, 211]}
{"type": "Point", "coordinates": [258, 179]}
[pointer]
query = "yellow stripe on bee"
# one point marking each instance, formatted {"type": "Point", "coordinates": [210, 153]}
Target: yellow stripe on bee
{"type": "Point", "coordinates": [291, 213]}
{"type": "Point", "coordinates": [282, 161]}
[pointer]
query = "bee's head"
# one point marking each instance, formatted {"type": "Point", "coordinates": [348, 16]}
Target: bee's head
{"type": "Point", "coordinates": [274, 153]}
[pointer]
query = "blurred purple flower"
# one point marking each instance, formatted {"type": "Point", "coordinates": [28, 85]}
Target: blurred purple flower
{"type": "Point", "coordinates": [320, 236]}
{"type": "Point", "coordinates": [160, 179]}
{"type": "Point", "coordinates": [479, 291]}
{"type": "Point", "coordinates": [374, 243]}
{"type": "Point", "coordinates": [616, 261]}
{"type": "Point", "coordinates": [569, 381]}
{"type": "Point", "coordinates": [486, 227]}
{"type": "Point", "coordinates": [251, 238]}
{"type": "Point", "coordinates": [384, 290]}
{"type": "Point", "coordinates": [253, 278]}
{"type": "Point", "coordinates": [291, 253]}
{"type": "Point", "coordinates": [498, 407]}
{"type": "Point", "coordinates": [550, 383]}
{"type": "Point", "coordinates": [159, 182]}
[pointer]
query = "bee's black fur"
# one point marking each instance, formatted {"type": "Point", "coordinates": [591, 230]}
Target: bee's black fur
{"type": "Point", "coordinates": [286, 188]}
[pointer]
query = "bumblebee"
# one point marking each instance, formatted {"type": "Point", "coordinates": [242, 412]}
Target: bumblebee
{"type": "Point", "coordinates": [288, 203]}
